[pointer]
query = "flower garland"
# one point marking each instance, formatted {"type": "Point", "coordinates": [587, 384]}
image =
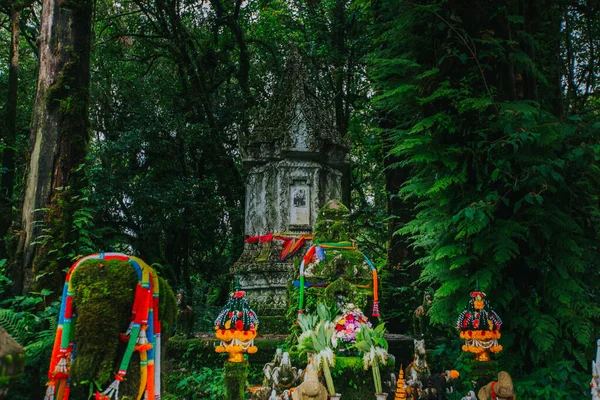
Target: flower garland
{"type": "Point", "coordinates": [479, 327]}
{"type": "Point", "coordinates": [143, 336]}
{"type": "Point", "coordinates": [236, 326]}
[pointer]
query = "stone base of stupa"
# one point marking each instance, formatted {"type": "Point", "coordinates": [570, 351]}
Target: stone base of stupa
{"type": "Point", "coordinates": [267, 282]}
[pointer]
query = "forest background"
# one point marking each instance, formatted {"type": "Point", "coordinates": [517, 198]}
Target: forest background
{"type": "Point", "coordinates": [475, 154]}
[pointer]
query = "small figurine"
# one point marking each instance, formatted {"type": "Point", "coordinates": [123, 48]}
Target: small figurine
{"type": "Point", "coordinates": [470, 396]}
{"type": "Point", "coordinates": [500, 389]}
{"type": "Point", "coordinates": [420, 317]}
{"type": "Point", "coordinates": [280, 376]}
{"type": "Point", "coordinates": [417, 371]}
{"type": "Point", "coordinates": [274, 395]}
{"type": "Point", "coordinates": [430, 392]}
{"type": "Point", "coordinates": [268, 368]}
{"type": "Point", "coordinates": [400, 387]}
{"type": "Point", "coordinates": [595, 383]}
{"type": "Point", "coordinates": [311, 388]}
{"type": "Point", "coordinates": [286, 376]}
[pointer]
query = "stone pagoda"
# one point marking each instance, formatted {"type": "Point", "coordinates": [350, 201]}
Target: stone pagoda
{"type": "Point", "coordinates": [296, 162]}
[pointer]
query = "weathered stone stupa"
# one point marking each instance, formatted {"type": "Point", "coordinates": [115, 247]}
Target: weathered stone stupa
{"type": "Point", "coordinates": [297, 162]}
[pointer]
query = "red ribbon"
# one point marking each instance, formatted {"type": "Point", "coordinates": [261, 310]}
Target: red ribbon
{"type": "Point", "coordinates": [291, 244]}
{"type": "Point", "coordinates": [262, 239]}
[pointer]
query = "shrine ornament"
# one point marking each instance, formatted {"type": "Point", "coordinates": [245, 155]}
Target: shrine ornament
{"type": "Point", "coordinates": [236, 327]}
{"type": "Point", "coordinates": [479, 326]}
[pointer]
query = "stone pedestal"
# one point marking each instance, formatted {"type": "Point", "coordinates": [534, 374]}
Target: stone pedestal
{"type": "Point", "coordinates": [267, 283]}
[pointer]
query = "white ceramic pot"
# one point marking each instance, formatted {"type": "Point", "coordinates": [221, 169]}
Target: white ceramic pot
{"type": "Point", "coordinates": [381, 396]}
{"type": "Point", "coordinates": [336, 397]}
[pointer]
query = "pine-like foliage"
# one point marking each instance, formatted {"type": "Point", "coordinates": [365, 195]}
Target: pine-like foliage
{"type": "Point", "coordinates": [505, 181]}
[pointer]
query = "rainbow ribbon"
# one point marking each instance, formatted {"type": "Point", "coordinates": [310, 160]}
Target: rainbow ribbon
{"type": "Point", "coordinates": [143, 335]}
{"type": "Point", "coordinates": [318, 251]}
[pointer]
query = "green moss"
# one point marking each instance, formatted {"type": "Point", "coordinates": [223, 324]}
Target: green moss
{"type": "Point", "coordinates": [274, 324]}
{"type": "Point", "coordinates": [332, 223]}
{"type": "Point", "coordinates": [235, 380]}
{"type": "Point", "coordinates": [195, 353]}
{"type": "Point", "coordinates": [103, 294]}
{"type": "Point", "coordinates": [340, 287]}
{"type": "Point", "coordinates": [334, 209]}
{"type": "Point", "coordinates": [348, 264]}
{"type": "Point", "coordinates": [353, 381]}
{"type": "Point", "coordinates": [11, 367]}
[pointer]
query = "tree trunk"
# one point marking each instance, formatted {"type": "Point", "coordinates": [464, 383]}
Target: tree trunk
{"type": "Point", "coordinates": [59, 136]}
{"type": "Point", "coordinates": [8, 155]}
{"type": "Point", "coordinates": [399, 254]}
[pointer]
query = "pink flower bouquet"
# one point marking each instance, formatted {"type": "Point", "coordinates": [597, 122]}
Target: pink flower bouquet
{"type": "Point", "coordinates": [348, 325]}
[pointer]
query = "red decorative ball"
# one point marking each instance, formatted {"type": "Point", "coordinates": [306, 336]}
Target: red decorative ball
{"type": "Point", "coordinates": [239, 325]}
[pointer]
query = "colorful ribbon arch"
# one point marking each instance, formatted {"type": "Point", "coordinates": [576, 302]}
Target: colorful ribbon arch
{"type": "Point", "coordinates": [318, 251]}
{"type": "Point", "coordinates": [142, 336]}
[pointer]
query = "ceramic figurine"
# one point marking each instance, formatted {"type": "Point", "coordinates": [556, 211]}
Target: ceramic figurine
{"type": "Point", "coordinates": [470, 396]}
{"type": "Point", "coordinates": [417, 371]}
{"type": "Point", "coordinates": [311, 388]}
{"type": "Point", "coordinates": [420, 317]}
{"type": "Point", "coordinates": [502, 389]}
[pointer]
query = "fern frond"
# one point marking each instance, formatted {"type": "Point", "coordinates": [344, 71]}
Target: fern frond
{"type": "Point", "coordinates": [14, 324]}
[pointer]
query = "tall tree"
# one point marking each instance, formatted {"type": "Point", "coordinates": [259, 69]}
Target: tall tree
{"type": "Point", "coordinates": [503, 176]}
{"type": "Point", "coordinates": [59, 138]}
{"type": "Point", "coordinates": [7, 181]}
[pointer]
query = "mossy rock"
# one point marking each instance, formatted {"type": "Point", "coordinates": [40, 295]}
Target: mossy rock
{"type": "Point", "coordinates": [347, 264]}
{"type": "Point", "coordinates": [12, 358]}
{"type": "Point", "coordinates": [103, 294]}
{"type": "Point", "coordinates": [334, 209]}
{"type": "Point", "coordinates": [332, 223]}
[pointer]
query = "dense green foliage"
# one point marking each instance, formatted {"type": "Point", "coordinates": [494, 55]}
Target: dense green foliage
{"type": "Point", "coordinates": [474, 162]}
{"type": "Point", "coordinates": [503, 174]}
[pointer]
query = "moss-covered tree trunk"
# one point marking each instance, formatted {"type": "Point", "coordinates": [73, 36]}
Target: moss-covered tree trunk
{"type": "Point", "coordinates": [8, 134]}
{"type": "Point", "coordinates": [59, 136]}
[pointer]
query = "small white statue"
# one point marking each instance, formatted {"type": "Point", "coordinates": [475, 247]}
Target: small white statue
{"type": "Point", "coordinates": [595, 383]}
{"type": "Point", "coordinates": [470, 396]}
